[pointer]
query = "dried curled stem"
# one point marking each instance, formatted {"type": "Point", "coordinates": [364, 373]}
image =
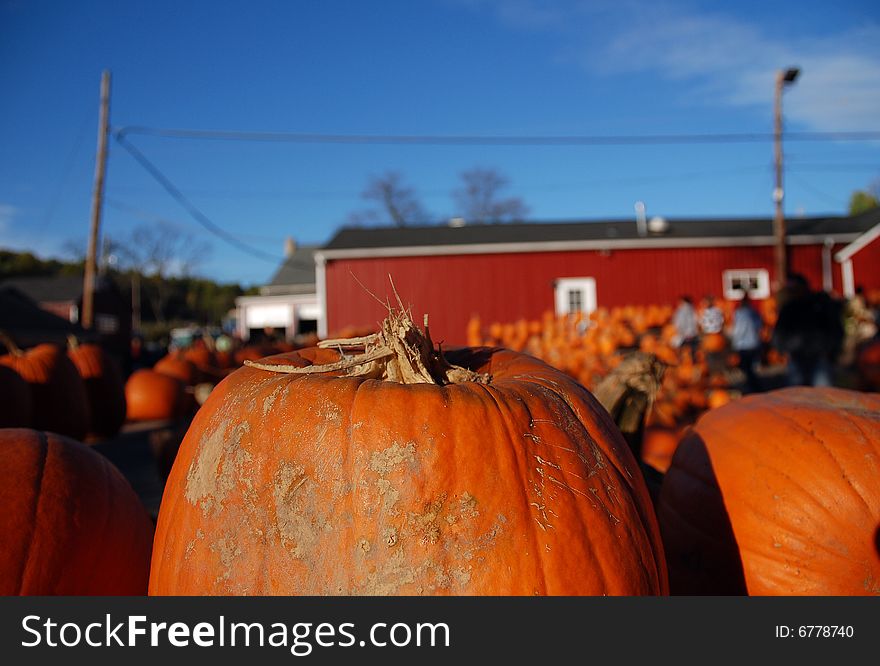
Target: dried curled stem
{"type": "Point", "coordinates": [11, 348]}
{"type": "Point", "coordinates": [399, 352]}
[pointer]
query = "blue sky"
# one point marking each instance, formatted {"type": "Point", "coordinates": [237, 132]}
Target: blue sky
{"type": "Point", "coordinates": [476, 67]}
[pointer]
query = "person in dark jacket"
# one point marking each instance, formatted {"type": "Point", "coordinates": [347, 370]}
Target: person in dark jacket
{"type": "Point", "coordinates": [810, 331]}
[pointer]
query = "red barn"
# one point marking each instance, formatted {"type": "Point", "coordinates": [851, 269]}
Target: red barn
{"type": "Point", "coordinates": [504, 272]}
{"type": "Point", "coordinates": [860, 261]}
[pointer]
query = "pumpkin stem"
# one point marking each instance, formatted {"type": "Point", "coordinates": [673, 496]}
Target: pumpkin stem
{"type": "Point", "coordinates": [7, 341]}
{"type": "Point", "coordinates": [628, 393]}
{"type": "Point", "coordinates": [399, 352]}
{"type": "Point", "coordinates": [72, 342]}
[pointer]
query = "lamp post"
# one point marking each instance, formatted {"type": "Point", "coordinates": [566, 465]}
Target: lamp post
{"type": "Point", "coordinates": [783, 78]}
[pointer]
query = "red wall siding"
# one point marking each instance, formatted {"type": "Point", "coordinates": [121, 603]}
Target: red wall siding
{"type": "Point", "coordinates": [807, 260]}
{"type": "Point", "coordinates": [506, 287]}
{"type": "Point", "coordinates": [866, 266]}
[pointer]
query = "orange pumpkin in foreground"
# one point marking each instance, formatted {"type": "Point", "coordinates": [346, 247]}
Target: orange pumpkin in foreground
{"type": "Point", "coordinates": [777, 494]}
{"type": "Point", "coordinates": [71, 523]}
{"type": "Point", "coordinates": [321, 484]}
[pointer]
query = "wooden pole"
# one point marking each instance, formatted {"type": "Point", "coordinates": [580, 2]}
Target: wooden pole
{"type": "Point", "coordinates": [88, 303]}
{"type": "Point", "coordinates": [779, 256]}
{"type": "Point", "coordinates": [136, 301]}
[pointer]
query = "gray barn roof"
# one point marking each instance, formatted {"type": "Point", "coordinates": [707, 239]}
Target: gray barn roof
{"type": "Point", "coordinates": [296, 275]}
{"type": "Point", "coordinates": [532, 232]}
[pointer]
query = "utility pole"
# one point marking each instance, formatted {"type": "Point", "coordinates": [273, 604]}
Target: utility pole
{"type": "Point", "coordinates": [136, 301]}
{"type": "Point", "coordinates": [88, 304]}
{"type": "Point", "coordinates": [780, 251]}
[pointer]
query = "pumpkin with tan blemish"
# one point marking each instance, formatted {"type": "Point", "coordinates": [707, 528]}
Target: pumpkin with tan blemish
{"type": "Point", "coordinates": [390, 471]}
{"type": "Point", "coordinates": [777, 494]}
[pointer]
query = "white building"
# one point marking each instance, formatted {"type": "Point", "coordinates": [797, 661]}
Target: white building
{"type": "Point", "coordinates": [289, 303]}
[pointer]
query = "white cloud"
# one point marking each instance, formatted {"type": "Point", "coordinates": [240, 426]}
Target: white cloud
{"type": "Point", "coordinates": [714, 58]}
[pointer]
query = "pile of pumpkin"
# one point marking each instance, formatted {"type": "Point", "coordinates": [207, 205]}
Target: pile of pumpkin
{"type": "Point", "coordinates": [588, 347]}
{"type": "Point", "coordinates": [182, 379]}
{"type": "Point", "coordinates": [77, 391]}
{"type": "Point", "coordinates": [380, 465]}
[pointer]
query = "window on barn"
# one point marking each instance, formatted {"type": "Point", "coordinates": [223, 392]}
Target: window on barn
{"type": "Point", "coordinates": [575, 295]}
{"type": "Point", "coordinates": [752, 281]}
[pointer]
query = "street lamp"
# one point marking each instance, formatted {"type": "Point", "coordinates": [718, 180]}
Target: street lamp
{"type": "Point", "coordinates": [783, 78]}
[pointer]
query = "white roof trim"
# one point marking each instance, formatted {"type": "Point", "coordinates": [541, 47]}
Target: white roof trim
{"type": "Point", "coordinates": [562, 246]}
{"type": "Point", "coordinates": [865, 239]}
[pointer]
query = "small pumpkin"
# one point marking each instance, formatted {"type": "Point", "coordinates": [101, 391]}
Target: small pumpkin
{"type": "Point", "coordinates": [175, 365]}
{"type": "Point", "coordinates": [777, 494]}
{"type": "Point", "coordinates": [152, 396]}
{"type": "Point", "coordinates": [105, 388]}
{"type": "Point", "coordinates": [57, 390]}
{"type": "Point", "coordinates": [394, 472]}
{"type": "Point", "coordinates": [714, 342]}
{"type": "Point", "coordinates": [658, 447]}
{"type": "Point", "coordinates": [71, 523]}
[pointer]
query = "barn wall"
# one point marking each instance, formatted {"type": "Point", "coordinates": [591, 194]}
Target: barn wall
{"type": "Point", "coordinates": [807, 260]}
{"type": "Point", "coordinates": [866, 266]}
{"type": "Point", "coordinates": [506, 287]}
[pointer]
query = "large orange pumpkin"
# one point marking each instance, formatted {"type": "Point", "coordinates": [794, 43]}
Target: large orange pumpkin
{"type": "Point", "coordinates": [105, 389]}
{"type": "Point", "coordinates": [58, 392]}
{"type": "Point", "coordinates": [322, 484]}
{"type": "Point", "coordinates": [152, 396]}
{"type": "Point", "coordinates": [71, 523]}
{"type": "Point", "coordinates": [777, 494]}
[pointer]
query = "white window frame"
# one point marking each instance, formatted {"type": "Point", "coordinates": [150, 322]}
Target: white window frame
{"type": "Point", "coordinates": [761, 275]}
{"type": "Point", "coordinates": [585, 285]}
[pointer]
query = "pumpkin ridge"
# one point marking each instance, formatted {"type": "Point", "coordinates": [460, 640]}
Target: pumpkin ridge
{"type": "Point", "coordinates": [792, 422]}
{"type": "Point", "coordinates": [516, 450]}
{"type": "Point", "coordinates": [107, 504]}
{"type": "Point", "coordinates": [44, 442]}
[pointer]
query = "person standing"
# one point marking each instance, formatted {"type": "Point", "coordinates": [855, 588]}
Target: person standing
{"type": "Point", "coordinates": [810, 331]}
{"type": "Point", "coordinates": [745, 340]}
{"type": "Point", "coordinates": [712, 319]}
{"type": "Point", "coordinates": [685, 322]}
{"type": "Point", "coordinates": [714, 342]}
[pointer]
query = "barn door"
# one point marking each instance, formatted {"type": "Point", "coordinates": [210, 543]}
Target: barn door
{"type": "Point", "coordinates": [575, 295]}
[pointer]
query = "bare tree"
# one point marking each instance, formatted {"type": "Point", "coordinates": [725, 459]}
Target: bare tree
{"type": "Point", "coordinates": [478, 199]}
{"type": "Point", "coordinates": [396, 203]}
{"type": "Point", "coordinates": [158, 251]}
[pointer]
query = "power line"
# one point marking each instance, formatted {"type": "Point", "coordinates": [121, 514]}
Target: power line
{"type": "Point", "coordinates": [327, 195]}
{"type": "Point", "coordinates": [828, 198]}
{"type": "Point", "coordinates": [196, 214]}
{"type": "Point", "coordinates": [153, 218]}
{"type": "Point", "coordinates": [488, 140]}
